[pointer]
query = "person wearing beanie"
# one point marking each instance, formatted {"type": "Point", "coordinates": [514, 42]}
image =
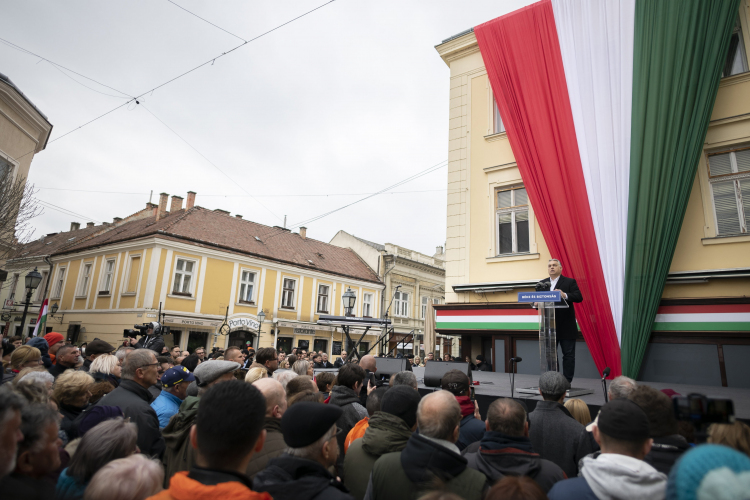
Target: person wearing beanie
{"type": "Point", "coordinates": [179, 454]}
{"type": "Point", "coordinates": [624, 435]}
{"type": "Point", "coordinates": [93, 350]}
{"type": "Point", "coordinates": [388, 431]}
{"type": "Point", "coordinates": [301, 473]}
{"type": "Point", "coordinates": [175, 382]}
{"type": "Point", "coordinates": [709, 472]}
{"type": "Point", "coordinates": [472, 428]}
{"type": "Point", "coordinates": [41, 344]}
{"type": "Point", "coordinates": [54, 341]}
{"type": "Point", "coordinates": [482, 365]}
{"type": "Point", "coordinates": [505, 449]}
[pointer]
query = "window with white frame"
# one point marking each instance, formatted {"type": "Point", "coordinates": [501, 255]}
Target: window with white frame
{"type": "Point", "coordinates": [134, 267]}
{"type": "Point", "coordinates": [736, 60]}
{"type": "Point", "coordinates": [729, 176]}
{"type": "Point", "coordinates": [436, 301]}
{"type": "Point", "coordinates": [108, 277]}
{"type": "Point", "coordinates": [42, 288]}
{"type": "Point", "coordinates": [401, 302]}
{"type": "Point", "coordinates": [367, 300]}
{"type": "Point", "coordinates": [323, 294]}
{"type": "Point", "coordinates": [425, 301]}
{"type": "Point", "coordinates": [14, 285]}
{"type": "Point", "coordinates": [287, 293]}
{"type": "Point", "coordinates": [59, 283]}
{"type": "Point", "coordinates": [183, 277]}
{"type": "Point", "coordinates": [83, 285]}
{"type": "Point", "coordinates": [512, 221]}
{"type": "Point", "coordinates": [497, 121]}
{"type": "Point", "coordinates": [247, 286]}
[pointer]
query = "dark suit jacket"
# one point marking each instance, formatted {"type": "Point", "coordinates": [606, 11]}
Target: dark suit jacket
{"type": "Point", "coordinates": [565, 319]}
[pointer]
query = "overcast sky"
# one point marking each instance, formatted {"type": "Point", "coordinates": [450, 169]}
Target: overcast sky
{"type": "Point", "coordinates": [345, 101]}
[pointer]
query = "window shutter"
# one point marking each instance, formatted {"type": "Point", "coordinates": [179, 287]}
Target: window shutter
{"type": "Point", "coordinates": [725, 202]}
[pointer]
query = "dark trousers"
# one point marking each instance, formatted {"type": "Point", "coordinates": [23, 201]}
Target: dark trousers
{"type": "Point", "coordinates": [569, 357]}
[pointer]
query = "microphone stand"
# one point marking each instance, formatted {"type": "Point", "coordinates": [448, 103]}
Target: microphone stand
{"type": "Point", "coordinates": [604, 384]}
{"type": "Point", "coordinates": [512, 377]}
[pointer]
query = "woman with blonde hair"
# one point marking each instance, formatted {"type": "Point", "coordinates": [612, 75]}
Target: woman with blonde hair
{"type": "Point", "coordinates": [579, 410]}
{"type": "Point", "coordinates": [137, 477]}
{"type": "Point", "coordinates": [256, 373]}
{"type": "Point", "coordinates": [736, 435]}
{"type": "Point", "coordinates": [303, 367]}
{"type": "Point", "coordinates": [417, 361]}
{"type": "Point", "coordinates": [106, 371]}
{"type": "Point", "coordinates": [72, 394]}
{"type": "Point", "coordinates": [22, 357]}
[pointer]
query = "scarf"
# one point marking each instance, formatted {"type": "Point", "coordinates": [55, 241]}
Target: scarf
{"type": "Point", "coordinates": [466, 404]}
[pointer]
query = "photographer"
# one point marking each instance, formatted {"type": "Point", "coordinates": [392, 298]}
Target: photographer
{"type": "Point", "coordinates": [152, 338]}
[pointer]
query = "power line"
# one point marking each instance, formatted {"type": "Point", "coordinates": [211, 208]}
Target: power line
{"type": "Point", "coordinates": [275, 195]}
{"type": "Point", "coordinates": [47, 204]}
{"type": "Point", "coordinates": [205, 20]}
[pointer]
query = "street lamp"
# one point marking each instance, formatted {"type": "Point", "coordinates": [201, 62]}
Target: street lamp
{"type": "Point", "coordinates": [261, 317]}
{"type": "Point", "coordinates": [349, 299]}
{"type": "Point", "coordinates": [32, 282]}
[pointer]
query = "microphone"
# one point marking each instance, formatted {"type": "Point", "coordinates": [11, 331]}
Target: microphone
{"type": "Point", "coordinates": [605, 374]}
{"type": "Point", "coordinates": [516, 360]}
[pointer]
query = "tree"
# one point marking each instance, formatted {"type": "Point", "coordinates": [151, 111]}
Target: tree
{"type": "Point", "coordinates": [18, 207]}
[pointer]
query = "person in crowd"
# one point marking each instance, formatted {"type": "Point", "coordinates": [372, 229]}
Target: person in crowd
{"type": "Point", "coordinates": [71, 391]}
{"type": "Point", "coordinates": [346, 396]}
{"type": "Point", "coordinates": [373, 405]}
{"type": "Point", "coordinates": [67, 357]}
{"type": "Point", "coordinates": [201, 353]}
{"type": "Point", "coordinates": [340, 361]}
{"type": "Point", "coordinates": [430, 357]}
{"type": "Point", "coordinates": [317, 360]}
{"type": "Point", "coordinates": [139, 372]}
{"type": "Point", "coordinates": [37, 377]}
{"type": "Point", "coordinates": [7, 351]}
{"type": "Point", "coordinates": [16, 341]}
{"type": "Point", "coordinates": [388, 431]}
{"type": "Point", "coordinates": [234, 353]}
{"type": "Point", "coordinates": [429, 458]}
{"type": "Point", "coordinates": [301, 473]}
{"type": "Point", "coordinates": [89, 419]}
{"type": "Point", "coordinates": [326, 363]}
{"type": "Point", "coordinates": [482, 365]}
{"type": "Point", "coordinates": [174, 391]}
{"type": "Point", "coordinates": [579, 410]}
{"type": "Point", "coordinates": [472, 428]}
{"type": "Point", "coordinates": [291, 359]}
{"type": "Point", "coordinates": [325, 380]}
{"type": "Point", "coordinates": [472, 366]}
{"type": "Point", "coordinates": [447, 357]}
{"type": "Point", "coordinates": [107, 441]}
{"type": "Point", "coordinates": [37, 455]}
{"type": "Point", "coordinates": [281, 357]}
{"type": "Point", "coordinates": [369, 364]}
{"type": "Point", "coordinates": [516, 488]}
{"type": "Point", "coordinates": [709, 471]}
{"type": "Point", "coordinates": [284, 377]}
{"type": "Point", "coordinates": [619, 471]}
{"type": "Point", "coordinates": [736, 435]}
{"type": "Point", "coordinates": [179, 454]}
{"type": "Point", "coordinates": [505, 449]}
{"type": "Point", "coordinates": [191, 362]}
{"type": "Point", "coordinates": [303, 354]}
{"type": "Point", "coordinates": [122, 353]}
{"type": "Point", "coordinates": [306, 396]}
{"type": "Point", "coordinates": [276, 405]}
{"type": "Point", "coordinates": [301, 383]}
{"type": "Point", "coordinates": [668, 446]}
{"type": "Point", "coordinates": [165, 363]}
{"type": "Point", "coordinates": [54, 341]}
{"type": "Point", "coordinates": [404, 378]}
{"type": "Point", "coordinates": [255, 374]}
{"type": "Point", "coordinates": [267, 358]}
{"type": "Point", "coordinates": [41, 344]}
{"type": "Point", "coordinates": [619, 388]}
{"type": "Point", "coordinates": [303, 367]}
{"type": "Point", "coordinates": [95, 349]}
{"type": "Point", "coordinates": [22, 357]}
{"type": "Point", "coordinates": [106, 371]}
{"type": "Point", "coordinates": [175, 353]}
{"type": "Point", "coordinates": [137, 477]}
{"type": "Point", "coordinates": [224, 438]}
{"type": "Point", "coordinates": [185, 354]}
{"type": "Point", "coordinates": [11, 405]}
{"type": "Point", "coordinates": [152, 340]}
{"type": "Point", "coordinates": [417, 361]}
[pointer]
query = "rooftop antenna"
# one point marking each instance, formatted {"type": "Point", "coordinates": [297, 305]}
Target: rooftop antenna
{"type": "Point", "coordinates": [285, 222]}
{"type": "Point", "coordinates": [150, 196]}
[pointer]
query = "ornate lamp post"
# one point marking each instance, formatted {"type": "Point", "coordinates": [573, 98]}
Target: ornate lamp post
{"type": "Point", "coordinates": [32, 282]}
{"type": "Point", "coordinates": [349, 298]}
{"type": "Point", "coordinates": [261, 318]}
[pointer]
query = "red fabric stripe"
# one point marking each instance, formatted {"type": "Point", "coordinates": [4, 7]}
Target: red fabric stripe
{"type": "Point", "coordinates": [488, 312]}
{"type": "Point", "coordinates": [720, 308]}
{"type": "Point", "coordinates": [522, 55]}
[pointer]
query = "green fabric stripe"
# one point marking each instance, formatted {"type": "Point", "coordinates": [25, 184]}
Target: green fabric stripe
{"type": "Point", "coordinates": [723, 326]}
{"type": "Point", "coordinates": [487, 326]}
{"type": "Point", "coordinates": [679, 51]}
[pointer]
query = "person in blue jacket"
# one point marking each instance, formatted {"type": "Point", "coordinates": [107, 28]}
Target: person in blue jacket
{"type": "Point", "coordinates": [175, 382]}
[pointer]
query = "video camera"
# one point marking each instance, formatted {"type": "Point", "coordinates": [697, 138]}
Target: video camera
{"type": "Point", "coordinates": [143, 329]}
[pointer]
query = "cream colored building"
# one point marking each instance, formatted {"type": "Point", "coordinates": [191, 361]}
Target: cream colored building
{"type": "Point", "coordinates": [711, 265]}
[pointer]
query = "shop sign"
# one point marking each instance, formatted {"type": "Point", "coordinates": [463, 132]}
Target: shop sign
{"type": "Point", "coordinates": [5, 317]}
{"type": "Point", "coordinates": [248, 323]}
{"type": "Point", "coordinates": [8, 304]}
{"type": "Point", "coordinates": [190, 321]}
{"type": "Point", "coordinates": [304, 326]}
{"type": "Point", "coordinates": [304, 331]}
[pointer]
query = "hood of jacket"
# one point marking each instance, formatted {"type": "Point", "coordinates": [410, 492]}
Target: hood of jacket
{"type": "Point", "coordinates": [387, 433]}
{"type": "Point", "coordinates": [501, 455]}
{"type": "Point", "coordinates": [288, 477]}
{"type": "Point", "coordinates": [179, 426]}
{"type": "Point", "coordinates": [342, 396]}
{"type": "Point", "coordinates": [181, 487]}
{"type": "Point", "coordinates": [423, 460]}
{"type": "Point", "coordinates": [613, 476]}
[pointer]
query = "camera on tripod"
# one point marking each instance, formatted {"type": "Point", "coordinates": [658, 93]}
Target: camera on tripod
{"type": "Point", "coordinates": [143, 330]}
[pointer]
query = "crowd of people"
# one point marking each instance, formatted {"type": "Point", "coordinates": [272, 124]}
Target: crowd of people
{"type": "Point", "coordinates": [146, 421]}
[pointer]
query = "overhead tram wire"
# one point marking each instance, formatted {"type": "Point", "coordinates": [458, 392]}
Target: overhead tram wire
{"type": "Point", "coordinates": [205, 20]}
{"type": "Point", "coordinates": [135, 98]}
{"type": "Point", "coordinates": [65, 211]}
{"type": "Point", "coordinates": [275, 195]}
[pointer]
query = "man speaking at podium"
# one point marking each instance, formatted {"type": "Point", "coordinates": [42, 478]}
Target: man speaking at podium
{"type": "Point", "coordinates": [565, 318]}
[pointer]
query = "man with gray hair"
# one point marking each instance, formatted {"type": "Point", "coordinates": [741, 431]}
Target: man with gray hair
{"type": "Point", "coordinates": [139, 372]}
{"type": "Point", "coordinates": [404, 378]}
{"type": "Point", "coordinates": [431, 460]}
{"type": "Point", "coordinates": [554, 433]}
{"type": "Point", "coordinates": [276, 405]}
{"type": "Point", "coordinates": [11, 405]}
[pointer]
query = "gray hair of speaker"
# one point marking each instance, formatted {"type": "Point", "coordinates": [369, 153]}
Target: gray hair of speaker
{"type": "Point", "coordinates": [553, 385]}
{"type": "Point", "coordinates": [621, 387]}
{"type": "Point", "coordinates": [555, 260]}
{"type": "Point", "coordinates": [312, 451]}
{"type": "Point", "coordinates": [405, 378]}
{"type": "Point", "coordinates": [136, 359]}
{"type": "Point", "coordinates": [439, 424]}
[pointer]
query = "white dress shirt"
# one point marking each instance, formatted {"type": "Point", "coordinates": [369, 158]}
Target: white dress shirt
{"type": "Point", "coordinates": [553, 283]}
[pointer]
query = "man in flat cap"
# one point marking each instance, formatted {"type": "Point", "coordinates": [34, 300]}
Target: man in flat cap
{"type": "Point", "coordinates": [95, 349]}
{"type": "Point", "coordinates": [302, 472]}
{"type": "Point", "coordinates": [623, 433]}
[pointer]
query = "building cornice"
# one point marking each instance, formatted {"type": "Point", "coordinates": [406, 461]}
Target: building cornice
{"type": "Point", "coordinates": [457, 48]}
{"type": "Point", "coordinates": [41, 127]}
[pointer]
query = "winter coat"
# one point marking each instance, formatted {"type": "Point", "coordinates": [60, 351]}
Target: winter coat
{"type": "Point", "coordinates": [347, 400]}
{"type": "Point", "coordinates": [69, 423]}
{"type": "Point", "coordinates": [386, 434]}
{"type": "Point", "coordinates": [165, 406]}
{"type": "Point", "coordinates": [293, 478]}
{"type": "Point", "coordinates": [339, 362]}
{"type": "Point", "coordinates": [205, 484]}
{"type": "Point", "coordinates": [56, 370]}
{"type": "Point", "coordinates": [484, 367]}
{"type": "Point", "coordinates": [69, 488]}
{"type": "Point", "coordinates": [134, 401]}
{"type": "Point", "coordinates": [153, 342]}
{"type": "Point", "coordinates": [155, 390]}
{"type": "Point", "coordinates": [356, 433]}
{"type": "Point", "coordinates": [665, 451]}
{"type": "Point", "coordinates": [471, 431]}
{"type": "Point", "coordinates": [179, 454]}
{"type": "Point", "coordinates": [25, 487]}
{"type": "Point", "coordinates": [498, 455]}
{"type": "Point", "coordinates": [272, 448]}
{"type": "Point", "coordinates": [612, 476]}
{"type": "Point", "coordinates": [557, 436]}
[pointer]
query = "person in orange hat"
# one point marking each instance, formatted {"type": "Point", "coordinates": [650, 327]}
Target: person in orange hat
{"type": "Point", "coordinates": [55, 341]}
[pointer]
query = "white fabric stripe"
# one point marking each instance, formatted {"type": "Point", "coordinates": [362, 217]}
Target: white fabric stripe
{"type": "Point", "coordinates": [701, 317]}
{"type": "Point", "coordinates": [596, 42]}
{"type": "Point", "coordinates": [534, 318]}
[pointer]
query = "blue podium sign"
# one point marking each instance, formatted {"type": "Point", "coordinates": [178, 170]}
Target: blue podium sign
{"type": "Point", "coordinates": [553, 296]}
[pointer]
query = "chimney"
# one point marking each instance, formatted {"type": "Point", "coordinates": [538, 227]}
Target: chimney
{"type": "Point", "coordinates": [89, 224]}
{"type": "Point", "coordinates": [303, 232]}
{"type": "Point", "coordinates": [117, 219]}
{"type": "Point", "coordinates": [162, 206]}
{"type": "Point", "coordinates": [221, 211]}
{"type": "Point", "coordinates": [238, 216]}
{"type": "Point", "coordinates": [176, 205]}
{"type": "Point", "coordinates": [75, 226]}
{"type": "Point", "coordinates": [190, 200]}
{"type": "Point", "coordinates": [438, 250]}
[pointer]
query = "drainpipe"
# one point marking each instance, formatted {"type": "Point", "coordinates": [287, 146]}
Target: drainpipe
{"type": "Point", "coordinates": [49, 277]}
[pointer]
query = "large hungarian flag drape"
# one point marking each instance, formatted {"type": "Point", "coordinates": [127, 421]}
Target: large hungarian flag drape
{"type": "Point", "coordinates": [606, 106]}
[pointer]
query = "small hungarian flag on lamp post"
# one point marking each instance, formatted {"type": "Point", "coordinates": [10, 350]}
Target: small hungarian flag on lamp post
{"type": "Point", "coordinates": [42, 319]}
